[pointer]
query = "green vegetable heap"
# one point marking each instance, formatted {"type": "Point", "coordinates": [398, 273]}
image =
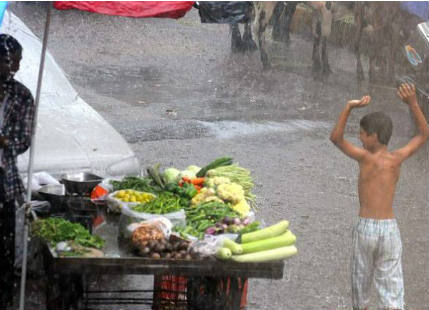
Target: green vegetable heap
{"type": "Point", "coordinates": [166, 202]}
{"type": "Point", "coordinates": [55, 230]}
{"type": "Point", "coordinates": [204, 215]}
{"type": "Point", "coordinates": [136, 183]}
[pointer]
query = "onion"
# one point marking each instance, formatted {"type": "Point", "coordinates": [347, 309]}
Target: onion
{"type": "Point", "coordinates": [246, 221]}
{"type": "Point", "coordinates": [211, 230]}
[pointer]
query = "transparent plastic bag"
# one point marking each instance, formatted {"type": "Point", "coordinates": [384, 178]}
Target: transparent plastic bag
{"type": "Point", "coordinates": [129, 216]}
{"type": "Point", "coordinates": [210, 244]}
{"type": "Point", "coordinates": [140, 234]}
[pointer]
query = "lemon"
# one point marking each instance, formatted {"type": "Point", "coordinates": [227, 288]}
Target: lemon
{"type": "Point", "coordinates": [133, 199]}
{"type": "Point", "coordinates": [120, 194]}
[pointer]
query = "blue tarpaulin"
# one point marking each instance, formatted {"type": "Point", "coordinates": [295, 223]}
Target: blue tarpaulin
{"type": "Point", "coordinates": [418, 8]}
{"type": "Point", "coordinates": [3, 6]}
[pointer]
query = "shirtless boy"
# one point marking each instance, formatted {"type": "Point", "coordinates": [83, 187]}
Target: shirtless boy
{"type": "Point", "coordinates": [377, 246]}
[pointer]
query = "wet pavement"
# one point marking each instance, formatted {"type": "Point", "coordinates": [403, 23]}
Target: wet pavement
{"type": "Point", "coordinates": [179, 97]}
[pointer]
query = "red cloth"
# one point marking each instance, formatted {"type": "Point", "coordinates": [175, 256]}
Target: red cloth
{"type": "Point", "coordinates": [168, 9]}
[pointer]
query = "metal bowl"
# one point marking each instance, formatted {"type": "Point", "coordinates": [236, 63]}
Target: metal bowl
{"type": "Point", "coordinates": [80, 183]}
{"type": "Point", "coordinates": [55, 195]}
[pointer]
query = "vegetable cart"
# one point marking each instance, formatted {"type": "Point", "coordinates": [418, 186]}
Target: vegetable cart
{"type": "Point", "coordinates": [193, 230]}
{"type": "Point", "coordinates": [193, 284]}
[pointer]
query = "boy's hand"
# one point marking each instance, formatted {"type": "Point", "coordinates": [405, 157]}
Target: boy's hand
{"type": "Point", "coordinates": [407, 93]}
{"type": "Point", "coordinates": [359, 103]}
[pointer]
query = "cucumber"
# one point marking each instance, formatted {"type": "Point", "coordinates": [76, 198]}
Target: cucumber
{"type": "Point", "coordinates": [234, 247]}
{"type": "Point", "coordinates": [266, 256]}
{"type": "Point", "coordinates": [265, 233]}
{"type": "Point", "coordinates": [223, 253]}
{"type": "Point", "coordinates": [223, 161]}
{"type": "Point", "coordinates": [285, 239]}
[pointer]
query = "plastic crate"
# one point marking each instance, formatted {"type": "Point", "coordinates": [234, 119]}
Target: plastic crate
{"type": "Point", "coordinates": [173, 292]}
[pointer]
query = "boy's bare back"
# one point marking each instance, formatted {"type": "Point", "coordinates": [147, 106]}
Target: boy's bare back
{"type": "Point", "coordinates": [378, 176]}
{"type": "Point", "coordinates": [379, 168]}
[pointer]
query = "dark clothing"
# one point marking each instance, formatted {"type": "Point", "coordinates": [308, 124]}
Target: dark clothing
{"type": "Point", "coordinates": [7, 247]}
{"type": "Point", "coordinates": [17, 128]}
{"type": "Point", "coordinates": [17, 125]}
{"type": "Point", "coordinates": [225, 12]}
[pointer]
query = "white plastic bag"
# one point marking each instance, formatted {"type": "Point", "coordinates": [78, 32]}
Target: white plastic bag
{"type": "Point", "coordinates": [40, 179]}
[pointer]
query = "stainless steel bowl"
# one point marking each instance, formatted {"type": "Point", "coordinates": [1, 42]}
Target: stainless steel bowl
{"type": "Point", "coordinates": [55, 195]}
{"type": "Point", "coordinates": [80, 183]}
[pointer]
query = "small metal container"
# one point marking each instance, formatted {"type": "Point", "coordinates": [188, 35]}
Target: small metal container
{"type": "Point", "coordinates": [80, 183]}
{"type": "Point", "coordinates": [56, 196]}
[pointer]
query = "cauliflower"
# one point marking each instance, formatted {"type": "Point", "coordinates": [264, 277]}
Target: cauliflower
{"type": "Point", "coordinates": [213, 198]}
{"type": "Point", "coordinates": [231, 192]}
{"type": "Point", "coordinates": [242, 207]}
{"type": "Point", "coordinates": [202, 195]}
{"type": "Point", "coordinates": [216, 181]}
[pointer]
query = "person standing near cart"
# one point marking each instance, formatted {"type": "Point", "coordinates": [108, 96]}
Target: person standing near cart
{"type": "Point", "coordinates": [17, 111]}
{"type": "Point", "coordinates": [377, 247]}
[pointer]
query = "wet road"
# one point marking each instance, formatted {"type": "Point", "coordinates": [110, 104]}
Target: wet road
{"type": "Point", "coordinates": [179, 97]}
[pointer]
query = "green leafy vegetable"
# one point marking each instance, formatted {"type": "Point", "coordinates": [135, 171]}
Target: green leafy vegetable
{"type": "Point", "coordinates": [54, 230]}
{"type": "Point", "coordinates": [136, 183]}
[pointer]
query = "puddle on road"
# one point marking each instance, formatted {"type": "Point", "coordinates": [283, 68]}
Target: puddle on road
{"type": "Point", "coordinates": [231, 129]}
{"type": "Point", "coordinates": [191, 129]}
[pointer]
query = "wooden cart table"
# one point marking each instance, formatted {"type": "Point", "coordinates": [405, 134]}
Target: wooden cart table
{"type": "Point", "coordinates": [195, 284]}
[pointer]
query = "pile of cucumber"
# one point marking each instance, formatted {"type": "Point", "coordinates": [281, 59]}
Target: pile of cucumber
{"type": "Point", "coordinates": [272, 243]}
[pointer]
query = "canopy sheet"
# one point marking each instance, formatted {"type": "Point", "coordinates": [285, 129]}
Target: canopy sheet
{"type": "Point", "coordinates": [418, 8]}
{"type": "Point", "coordinates": [165, 9]}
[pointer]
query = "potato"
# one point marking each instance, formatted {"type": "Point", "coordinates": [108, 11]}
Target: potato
{"type": "Point", "coordinates": [161, 247]}
{"type": "Point", "coordinates": [152, 244]}
{"type": "Point", "coordinates": [155, 255]}
{"type": "Point", "coordinates": [145, 250]}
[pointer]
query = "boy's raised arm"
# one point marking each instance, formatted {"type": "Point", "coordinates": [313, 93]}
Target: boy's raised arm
{"type": "Point", "coordinates": [408, 95]}
{"type": "Point", "coordinates": [337, 134]}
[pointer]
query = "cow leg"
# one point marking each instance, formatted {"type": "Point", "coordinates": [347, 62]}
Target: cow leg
{"type": "Point", "coordinates": [264, 57]}
{"type": "Point", "coordinates": [248, 43]}
{"type": "Point", "coordinates": [290, 11]}
{"type": "Point", "coordinates": [260, 28]}
{"type": "Point", "coordinates": [277, 21]}
{"type": "Point", "coordinates": [263, 13]}
{"type": "Point", "coordinates": [326, 70]}
{"type": "Point", "coordinates": [359, 14]}
{"type": "Point", "coordinates": [391, 59]}
{"type": "Point", "coordinates": [236, 42]}
{"type": "Point", "coordinates": [371, 70]}
{"type": "Point", "coordinates": [325, 26]}
{"type": "Point", "coordinates": [316, 45]}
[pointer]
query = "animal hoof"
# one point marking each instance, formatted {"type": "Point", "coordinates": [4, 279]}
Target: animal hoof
{"type": "Point", "coordinates": [326, 71]}
{"type": "Point", "coordinates": [266, 66]}
{"type": "Point", "coordinates": [360, 77]}
{"type": "Point", "coordinates": [316, 69]}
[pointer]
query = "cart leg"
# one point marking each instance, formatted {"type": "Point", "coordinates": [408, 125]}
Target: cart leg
{"type": "Point", "coordinates": [235, 292]}
{"type": "Point", "coordinates": [53, 293]}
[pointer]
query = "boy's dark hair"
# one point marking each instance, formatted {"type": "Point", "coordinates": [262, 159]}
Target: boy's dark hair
{"type": "Point", "coordinates": [9, 45]}
{"type": "Point", "coordinates": [378, 123]}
